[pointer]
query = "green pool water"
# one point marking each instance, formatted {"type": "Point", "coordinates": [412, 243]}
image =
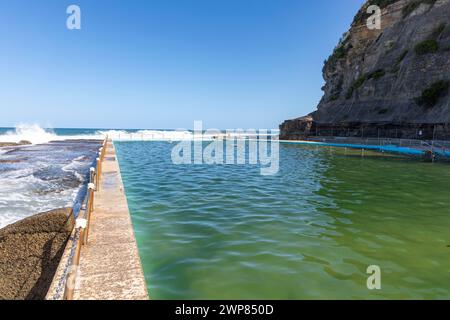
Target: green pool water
{"type": "Point", "coordinates": [309, 232]}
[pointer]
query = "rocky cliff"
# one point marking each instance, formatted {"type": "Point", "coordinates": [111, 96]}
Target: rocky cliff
{"type": "Point", "coordinates": [397, 77]}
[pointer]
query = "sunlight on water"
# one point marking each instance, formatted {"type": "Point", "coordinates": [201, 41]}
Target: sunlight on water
{"type": "Point", "coordinates": [212, 232]}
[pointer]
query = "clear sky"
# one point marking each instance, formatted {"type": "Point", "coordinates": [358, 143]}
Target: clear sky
{"type": "Point", "coordinates": [166, 63]}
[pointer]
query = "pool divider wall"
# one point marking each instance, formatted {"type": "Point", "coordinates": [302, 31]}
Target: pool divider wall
{"type": "Point", "coordinates": [97, 268]}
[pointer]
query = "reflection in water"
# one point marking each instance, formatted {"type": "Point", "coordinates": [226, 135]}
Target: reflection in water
{"type": "Point", "coordinates": [311, 231]}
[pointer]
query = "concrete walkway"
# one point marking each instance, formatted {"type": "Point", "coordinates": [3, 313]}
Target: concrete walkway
{"type": "Point", "coordinates": [110, 266]}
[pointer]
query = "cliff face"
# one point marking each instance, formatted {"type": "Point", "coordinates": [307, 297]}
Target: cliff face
{"type": "Point", "coordinates": [398, 75]}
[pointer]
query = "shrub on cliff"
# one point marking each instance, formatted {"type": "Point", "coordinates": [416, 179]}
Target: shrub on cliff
{"type": "Point", "coordinates": [383, 111]}
{"type": "Point", "coordinates": [432, 94]}
{"type": "Point", "coordinates": [377, 74]}
{"type": "Point", "coordinates": [358, 83]}
{"type": "Point", "coordinates": [402, 57]}
{"type": "Point", "coordinates": [426, 47]}
{"type": "Point", "coordinates": [362, 79]}
{"type": "Point", "coordinates": [339, 53]}
{"type": "Point", "coordinates": [333, 97]}
{"type": "Point", "coordinates": [399, 60]}
{"type": "Point", "coordinates": [349, 93]}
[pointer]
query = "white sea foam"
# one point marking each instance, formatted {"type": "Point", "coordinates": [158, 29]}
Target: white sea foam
{"type": "Point", "coordinates": [74, 168]}
{"type": "Point", "coordinates": [31, 133]}
{"type": "Point", "coordinates": [171, 135]}
{"type": "Point", "coordinates": [147, 135]}
{"type": "Point", "coordinates": [38, 135]}
{"type": "Point", "coordinates": [20, 196]}
{"type": "Point", "coordinates": [23, 193]}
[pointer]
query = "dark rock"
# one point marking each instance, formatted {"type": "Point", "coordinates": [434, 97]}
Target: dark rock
{"type": "Point", "coordinates": [30, 251]}
{"type": "Point", "coordinates": [14, 144]}
{"type": "Point", "coordinates": [11, 161]}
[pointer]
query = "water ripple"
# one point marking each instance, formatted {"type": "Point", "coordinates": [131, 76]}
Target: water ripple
{"type": "Point", "coordinates": [211, 232]}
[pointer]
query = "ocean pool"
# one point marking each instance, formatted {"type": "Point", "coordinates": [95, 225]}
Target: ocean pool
{"type": "Point", "coordinates": [309, 232]}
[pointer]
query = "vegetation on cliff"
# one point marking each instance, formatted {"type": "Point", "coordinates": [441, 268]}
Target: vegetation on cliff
{"type": "Point", "coordinates": [426, 47]}
{"type": "Point", "coordinates": [396, 75]}
{"type": "Point", "coordinates": [431, 44]}
{"type": "Point", "coordinates": [377, 74]}
{"type": "Point", "coordinates": [431, 95]}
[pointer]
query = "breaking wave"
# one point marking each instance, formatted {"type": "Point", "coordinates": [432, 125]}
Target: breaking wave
{"type": "Point", "coordinates": [35, 134]}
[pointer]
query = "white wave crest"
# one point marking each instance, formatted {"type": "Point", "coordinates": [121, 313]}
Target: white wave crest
{"type": "Point", "coordinates": [28, 132]}
{"type": "Point", "coordinates": [147, 135]}
{"type": "Point", "coordinates": [37, 135]}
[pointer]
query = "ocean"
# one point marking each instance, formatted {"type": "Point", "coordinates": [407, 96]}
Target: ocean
{"type": "Point", "coordinates": [227, 232]}
{"type": "Point", "coordinates": [52, 172]}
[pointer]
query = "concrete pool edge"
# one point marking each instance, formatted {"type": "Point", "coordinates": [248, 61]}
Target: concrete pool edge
{"type": "Point", "coordinates": [110, 267]}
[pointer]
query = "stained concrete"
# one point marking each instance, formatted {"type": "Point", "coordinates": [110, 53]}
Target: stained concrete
{"type": "Point", "coordinates": [110, 266]}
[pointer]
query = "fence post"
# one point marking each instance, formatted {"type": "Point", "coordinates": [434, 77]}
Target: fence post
{"type": "Point", "coordinates": [92, 175]}
{"type": "Point", "coordinates": [89, 209]}
{"type": "Point", "coordinates": [97, 176]}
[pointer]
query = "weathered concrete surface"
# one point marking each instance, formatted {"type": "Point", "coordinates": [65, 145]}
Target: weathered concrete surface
{"type": "Point", "coordinates": [110, 266]}
{"type": "Point", "coordinates": [30, 251]}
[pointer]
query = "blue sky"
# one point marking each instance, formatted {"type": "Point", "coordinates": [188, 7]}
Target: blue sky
{"type": "Point", "coordinates": [166, 63]}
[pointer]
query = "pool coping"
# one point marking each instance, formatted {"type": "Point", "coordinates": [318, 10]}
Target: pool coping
{"type": "Point", "coordinates": [110, 267]}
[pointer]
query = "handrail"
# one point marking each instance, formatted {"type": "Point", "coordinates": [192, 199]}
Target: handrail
{"type": "Point", "coordinates": [81, 230]}
{"type": "Point", "coordinates": [434, 148]}
{"type": "Point", "coordinates": [383, 141]}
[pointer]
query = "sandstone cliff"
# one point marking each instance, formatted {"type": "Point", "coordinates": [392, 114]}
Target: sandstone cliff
{"type": "Point", "coordinates": [396, 77]}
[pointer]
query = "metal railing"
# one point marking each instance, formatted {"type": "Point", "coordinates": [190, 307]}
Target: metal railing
{"type": "Point", "coordinates": [80, 234]}
{"type": "Point", "coordinates": [426, 145]}
{"type": "Point", "coordinates": [429, 149]}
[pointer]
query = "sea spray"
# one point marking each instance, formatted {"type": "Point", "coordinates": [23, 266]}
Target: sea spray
{"type": "Point", "coordinates": [38, 135]}
{"type": "Point", "coordinates": [28, 132]}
